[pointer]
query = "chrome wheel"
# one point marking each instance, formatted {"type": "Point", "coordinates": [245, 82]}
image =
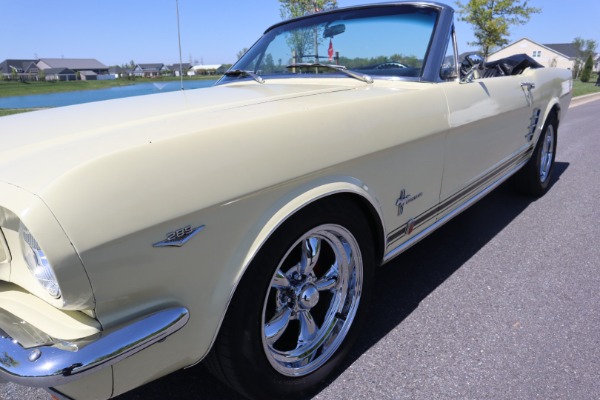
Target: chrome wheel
{"type": "Point", "coordinates": [547, 153]}
{"type": "Point", "coordinates": [312, 300]}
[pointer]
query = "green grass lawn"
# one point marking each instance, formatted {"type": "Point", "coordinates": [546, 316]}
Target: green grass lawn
{"type": "Point", "coordinates": [10, 111]}
{"type": "Point", "coordinates": [581, 88]}
{"type": "Point", "coordinates": [14, 88]}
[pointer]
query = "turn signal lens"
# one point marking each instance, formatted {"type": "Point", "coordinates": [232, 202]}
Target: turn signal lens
{"type": "Point", "coordinates": [38, 264]}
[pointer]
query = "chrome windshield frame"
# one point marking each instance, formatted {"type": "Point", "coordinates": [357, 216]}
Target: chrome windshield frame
{"type": "Point", "coordinates": [435, 52]}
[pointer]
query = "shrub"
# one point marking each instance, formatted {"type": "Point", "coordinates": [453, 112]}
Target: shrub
{"type": "Point", "coordinates": [587, 69]}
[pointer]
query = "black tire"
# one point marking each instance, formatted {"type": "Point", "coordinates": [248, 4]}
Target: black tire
{"type": "Point", "coordinates": [273, 343]}
{"type": "Point", "coordinates": [535, 177]}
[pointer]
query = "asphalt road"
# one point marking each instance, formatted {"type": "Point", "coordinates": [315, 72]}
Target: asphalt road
{"type": "Point", "coordinates": [503, 302]}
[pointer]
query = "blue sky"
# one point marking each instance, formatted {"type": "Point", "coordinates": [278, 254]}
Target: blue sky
{"type": "Point", "coordinates": [117, 31]}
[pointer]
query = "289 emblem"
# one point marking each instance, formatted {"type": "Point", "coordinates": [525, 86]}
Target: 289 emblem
{"type": "Point", "coordinates": [179, 237]}
{"type": "Point", "coordinates": [180, 233]}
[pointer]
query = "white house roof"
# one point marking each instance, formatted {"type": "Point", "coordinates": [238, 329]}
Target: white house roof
{"type": "Point", "coordinates": [205, 67]}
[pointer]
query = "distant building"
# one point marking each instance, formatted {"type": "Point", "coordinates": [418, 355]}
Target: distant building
{"type": "Point", "coordinates": [560, 55]}
{"type": "Point", "coordinates": [184, 68]}
{"type": "Point", "coordinates": [84, 66]}
{"type": "Point", "coordinates": [59, 74]}
{"type": "Point", "coordinates": [118, 72]}
{"type": "Point", "coordinates": [204, 69]}
{"type": "Point", "coordinates": [149, 70]}
{"type": "Point", "coordinates": [19, 69]}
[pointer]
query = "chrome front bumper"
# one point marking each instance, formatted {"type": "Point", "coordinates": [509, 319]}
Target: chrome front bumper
{"type": "Point", "coordinates": [61, 363]}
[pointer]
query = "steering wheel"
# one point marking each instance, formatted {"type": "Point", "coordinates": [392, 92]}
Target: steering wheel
{"type": "Point", "coordinates": [389, 65]}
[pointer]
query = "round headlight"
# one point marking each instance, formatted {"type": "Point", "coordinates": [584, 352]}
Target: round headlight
{"type": "Point", "coordinates": [38, 264]}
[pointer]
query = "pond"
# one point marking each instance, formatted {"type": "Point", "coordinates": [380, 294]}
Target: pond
{"type": "Point", "coordinates": [87, 96]}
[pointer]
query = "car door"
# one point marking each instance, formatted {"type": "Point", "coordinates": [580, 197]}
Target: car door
{"type": "Point", "coordinates": [489, 134]}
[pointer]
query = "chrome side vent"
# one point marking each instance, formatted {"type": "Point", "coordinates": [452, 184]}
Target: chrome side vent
{"type": "Point", "coordinates": [534, 120]}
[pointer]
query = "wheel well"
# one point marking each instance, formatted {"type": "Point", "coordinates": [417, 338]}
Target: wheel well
{"type": "Point", "coordinates": [339, 199]}
{"type": "Point", "coordinates": [372, 216]}
{"type": "Point", "coordinates": [556, 111]}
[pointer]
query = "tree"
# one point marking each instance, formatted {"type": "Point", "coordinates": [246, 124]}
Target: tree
{"type": "Point", "coordinates": [303, 42]}
{"type": "Point", "coordinates": [491, 20]}
{"type": "Point", "coordinates": [584, 49]}
{"type": "Point", "coordinates": [298, 8]}
{"type": "Point", "coordinates": [587, 69]}
{"type": "Point", "coordinates": [223, 68]}
{"type": "Point", "coordinates": [241, 53]}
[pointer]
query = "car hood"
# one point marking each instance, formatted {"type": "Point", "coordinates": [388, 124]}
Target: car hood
{"type": "Point", "coordinates": [151, 159]}
{"type": "Point", "coordinates": [41, 146]}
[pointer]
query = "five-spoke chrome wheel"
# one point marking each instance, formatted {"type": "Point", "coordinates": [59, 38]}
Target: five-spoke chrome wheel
{"type": "Point", "coordinates": [536, 176]}
{"type": "Point", "coordinates": [300, 304]}
{"type": "Point", "coordinates": [312, 300]}
{"type": "Point", "coordinates": [547, 153]}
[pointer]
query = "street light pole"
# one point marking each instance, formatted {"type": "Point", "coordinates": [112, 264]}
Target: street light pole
{"type": "Point", "coordinates": [179, 39]}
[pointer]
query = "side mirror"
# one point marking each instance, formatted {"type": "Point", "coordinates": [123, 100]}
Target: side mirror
{"type": "Point", "coordinates": [473, 60]}
{"type": "Point", "coordinates": [468, 67]}
{"type": "Point", "coordinates": [448, 73]}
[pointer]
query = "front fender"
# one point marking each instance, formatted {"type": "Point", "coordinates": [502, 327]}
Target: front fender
{"type": "Point", "coordinates": [287, 205]}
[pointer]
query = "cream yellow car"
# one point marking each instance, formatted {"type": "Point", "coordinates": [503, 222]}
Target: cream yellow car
{"type": "Point", "coordinates": [241, 225]}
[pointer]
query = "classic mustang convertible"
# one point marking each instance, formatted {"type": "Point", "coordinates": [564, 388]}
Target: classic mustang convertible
{"type": "Point", "coordinates": [241, 224]}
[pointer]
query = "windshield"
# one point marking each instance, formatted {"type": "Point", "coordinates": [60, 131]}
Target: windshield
{"type": "Point", "coordinates": [390, 41]}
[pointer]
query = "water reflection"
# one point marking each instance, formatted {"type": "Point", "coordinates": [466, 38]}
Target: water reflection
{"type": "Point", "coordinates": [87, 96]}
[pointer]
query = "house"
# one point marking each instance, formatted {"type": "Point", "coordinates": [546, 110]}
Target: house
{"type": "Point", "coordinates": [560, 55]}
{"type": "Point", "coordinates": [149, 70]}
{"type": "Point", "coordinates": [59, 74]}
{"type": "Point", "coordinates": [118, 72]}
{"type": "Point", "coordinates": [204, 69]}
{"type": "Point", "coordinates": [81, 65]}
{"type": "Point", "coordinates": [88, 75]}
{"type": "Point", "coordinates": [19, 69]}
{"type": "Point", "coordinates": [175, 68]}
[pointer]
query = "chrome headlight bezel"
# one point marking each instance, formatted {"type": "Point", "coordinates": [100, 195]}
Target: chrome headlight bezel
{"type": "Point", "coordinates": [37, 263]}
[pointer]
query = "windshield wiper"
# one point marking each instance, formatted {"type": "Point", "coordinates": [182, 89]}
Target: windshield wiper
{"type": "Point", "coordinates": [241, 72]}
{"type": "Point", "coordinates": [340, 68]}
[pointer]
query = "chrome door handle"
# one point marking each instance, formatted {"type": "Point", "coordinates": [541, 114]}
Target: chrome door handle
{"type": "Point", "coordinates": [528, 85]}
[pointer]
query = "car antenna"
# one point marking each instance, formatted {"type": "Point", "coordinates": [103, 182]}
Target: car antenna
{"type": "Point", "coordinates": [179, 40]}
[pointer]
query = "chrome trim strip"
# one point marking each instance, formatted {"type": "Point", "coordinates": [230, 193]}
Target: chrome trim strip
{"type": "Point", "coordinates": [437, 46]}
{"type": "Point", "coordinates": [441, 208]}
{"type": "Point", "coordinates": [53, 366]}
{"type": "Point", "coordinates": [56, 394]}
{"type": "Point", "coordinates": [423, 234]}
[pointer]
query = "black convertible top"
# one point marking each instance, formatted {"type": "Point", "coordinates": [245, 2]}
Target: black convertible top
{"type": "Point", "coordinates": [513, 65]}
